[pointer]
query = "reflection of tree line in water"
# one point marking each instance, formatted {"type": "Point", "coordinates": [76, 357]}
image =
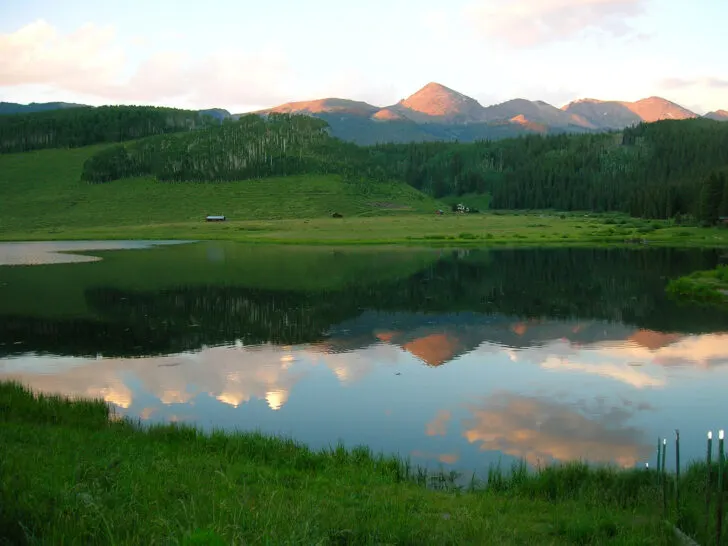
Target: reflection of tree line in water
{"type": "Point", "coordinates": [614, 285]}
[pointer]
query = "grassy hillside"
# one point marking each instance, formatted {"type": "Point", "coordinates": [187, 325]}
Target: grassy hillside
{"type": "Point", "coordinates": [42, 193]}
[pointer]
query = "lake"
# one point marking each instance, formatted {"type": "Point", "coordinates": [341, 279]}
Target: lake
{"type": "Point", "coordinates": [455, 358]}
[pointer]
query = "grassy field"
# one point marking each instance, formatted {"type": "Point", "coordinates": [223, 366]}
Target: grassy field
{"type": "Point", "coordinates": [42, 192]}
{"type": "Point", "coordinates": [174, 485]}
{"type": "Point", "coordinates": [707, 287]}
{"type": "Point", "coordinates": [44, 199]}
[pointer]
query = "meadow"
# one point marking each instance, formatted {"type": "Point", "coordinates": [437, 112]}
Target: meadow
{"type": "Point", "coordinates": [44, 199]}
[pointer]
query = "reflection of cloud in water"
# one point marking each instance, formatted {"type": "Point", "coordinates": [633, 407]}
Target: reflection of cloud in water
{"type": "Point", "coordinates": [438, 426]}
{"type": "Point", "coordinates": [541, 430]}
{"type": "Point", "coordinates": [704, 351]}
{"type": "Point", "coordinates": [621, 361]}
{"type": "Point", "coordinates": [445, 458]}
{"type": "Point", "coordinates": [619, 371]}
{"type": "Point", "coordinates": [354, 366]}
{"type": "Point", "coordinates": [231, 375]}
{"type": "Point", "coordinates": [114, 392]}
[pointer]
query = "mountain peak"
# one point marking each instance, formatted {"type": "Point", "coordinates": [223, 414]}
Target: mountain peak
{"type": "Point", "coordinates": [657, 108]}
{"type": "Point", "coordinates": [437, 101]}
{"type": "Point", "coordinates": [718, 115]}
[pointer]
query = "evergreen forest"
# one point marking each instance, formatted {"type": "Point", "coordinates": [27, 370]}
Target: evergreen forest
{"type": "Point", "coordinates": [667, 169]}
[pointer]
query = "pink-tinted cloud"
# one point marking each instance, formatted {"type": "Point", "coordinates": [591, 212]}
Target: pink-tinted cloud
{"type": "Point", "coordinates": [708, 82]}
{"type": "Point", "coordinates": [438, 426]}
{"type": "Point", "coordinates": [91, 62]}
{"type": "Point", "coordinates": [542, 430]}
{"type": "Point", "coordinates": [38, 54]}
{"type": "Point", "coordinates": [526, 23]}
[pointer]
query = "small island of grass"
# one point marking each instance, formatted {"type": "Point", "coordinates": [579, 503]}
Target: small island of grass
{"type": "Point", "coordinates": [707, 287]}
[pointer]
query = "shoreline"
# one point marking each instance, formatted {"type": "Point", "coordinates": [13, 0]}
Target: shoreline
{"type": "Point", "coordinates": [483, 230]}
{"type": "Point", "coordinates": [137, 484]}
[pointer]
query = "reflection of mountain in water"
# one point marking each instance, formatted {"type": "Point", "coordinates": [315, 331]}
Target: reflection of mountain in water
{"type": "Point", "coordinates": [439, 338]}
{"type": "Point", "coordinates": [515, 298]}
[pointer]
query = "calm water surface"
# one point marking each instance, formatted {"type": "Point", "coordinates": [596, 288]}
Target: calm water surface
{"type": "Point", "coordinates": [453, 358]}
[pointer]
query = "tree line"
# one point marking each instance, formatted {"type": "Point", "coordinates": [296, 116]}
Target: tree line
{"type": "Point", "coordinates": [654, 170]}
{"type": "Point", "coordinates": [83, 126]}
{"type": "Point", "coordinates": [666, 169]}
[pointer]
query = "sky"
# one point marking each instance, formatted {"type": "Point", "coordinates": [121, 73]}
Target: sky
{"type": "Point", "coordinates": [243, 55]}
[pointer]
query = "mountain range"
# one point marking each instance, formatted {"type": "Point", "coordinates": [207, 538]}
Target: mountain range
{"type": "Point", "coordinates": [437, 112]}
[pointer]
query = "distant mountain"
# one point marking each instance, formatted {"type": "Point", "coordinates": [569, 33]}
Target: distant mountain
{"type": "Point", "coordinates": [437, 112]}
{"type": "Point", "coordinates": [325, 106]}
{"type": "Point", "coordinates": [657, 108]}
{"type": "Point", "coordinates": [718, 115]}
{"type": "Point", "coordinates": [16, 108]}
{"type": "Point", "coordinates": [535, 112]}
{"type": "Point", "coordinates": [609, 115]}
{"type": "Point", "coordinates": [604, 115]}
{"type": "Point", "coordinates": [435, 103]}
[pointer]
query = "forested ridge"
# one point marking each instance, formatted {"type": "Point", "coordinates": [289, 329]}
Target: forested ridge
{"type": "Point", "coordinates": [83, 126]}
{"type": "Point", "coordinates": [252, 147]}
{"type": "Point", "coordinates": [666, 169]}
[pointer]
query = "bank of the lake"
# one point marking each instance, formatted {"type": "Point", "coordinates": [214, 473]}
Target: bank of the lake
{"type": "Point", "coordinates": [416, 229]}
{"type": "Point", "coordinates": [707, 287]}
{"type": "Point", "coordinates": [44, 199]}
{"type": "Point", "coordinates": [71, 473]}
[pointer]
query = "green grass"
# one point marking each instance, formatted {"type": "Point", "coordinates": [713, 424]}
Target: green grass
{"type": "Point", "coordinates": [706, 287]}
{"type": "Point", "coordinates": [44, 199]}
{"type": "Point", "coordinates": [42, 192]}
{"type": "Point", "coordinates": [72, 474]}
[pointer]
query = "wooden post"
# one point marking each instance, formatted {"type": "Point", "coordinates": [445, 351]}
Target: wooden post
{"type": "Point", "coordinates": [708, 460]}
{"type": "Point", "coordinates": [664, 478]}
{"type": "Point", "coordinates": [677, 476]}
{"type": "Point", "coordinates": [659, 457]}
{"type": "Point", "coordinates": [721, 462]}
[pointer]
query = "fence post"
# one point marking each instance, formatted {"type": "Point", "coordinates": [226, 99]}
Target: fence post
{"type": "Point", "coordinates": [719, 518]}
{"type": "Point", "coordinates": [659, 457]}
{"type": "Point", "coordinates": [664, 478]}
{"type": "Point", "coordinates": [677, 477]}
{"type": "Point", "coordinates": [708, 461]}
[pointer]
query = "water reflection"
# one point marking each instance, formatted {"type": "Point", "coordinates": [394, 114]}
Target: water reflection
{"type": "Point", "coordinates": [543, 430]}
{"type": "Point", "coordinates": [455, 359]}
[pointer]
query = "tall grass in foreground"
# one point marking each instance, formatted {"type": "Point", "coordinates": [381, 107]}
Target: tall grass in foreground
{"type": "Point", "coordinates": [73, 474]}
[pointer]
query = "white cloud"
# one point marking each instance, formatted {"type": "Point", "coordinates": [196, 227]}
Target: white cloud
{"type": "Point", "coordinates": [38, 54]}
{"type": "Point", "coordinates": [706, 82]}
{"type": "Point", "coordinates": [91, 62]}
{"type": "Point", "coordinates": [526, 23]}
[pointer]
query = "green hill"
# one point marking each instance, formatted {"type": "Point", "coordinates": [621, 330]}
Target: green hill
{"type": "Point", "coordinates": [43, 191]}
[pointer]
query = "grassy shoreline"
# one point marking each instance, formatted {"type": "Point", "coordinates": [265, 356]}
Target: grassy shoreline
{"type": "Point", "coordinates": [412, 229]}
{"type": "Point", "coordinates": [171, 484]}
